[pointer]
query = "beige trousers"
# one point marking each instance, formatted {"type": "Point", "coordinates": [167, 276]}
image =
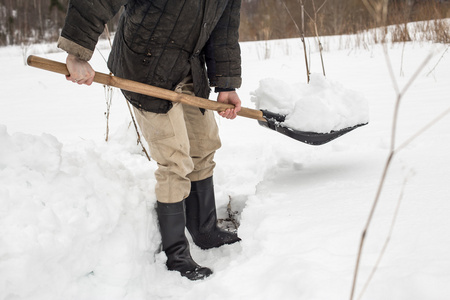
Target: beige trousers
{"type": "Point", "coordinates": [183, 143]}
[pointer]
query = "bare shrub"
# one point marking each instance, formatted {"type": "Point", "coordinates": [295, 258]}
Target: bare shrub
{"type": "Point", "coordinates": [378, 10]}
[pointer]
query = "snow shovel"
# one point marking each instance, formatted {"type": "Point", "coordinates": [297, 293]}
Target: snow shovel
{"type": "Point", "coordinates": [265, 118]}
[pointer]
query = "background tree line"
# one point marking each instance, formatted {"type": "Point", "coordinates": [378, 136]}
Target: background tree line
{"type": "Point", "coordinates": [274, 19]}
{"type": "Point", "coordinates": [23, 21]}
{"type": "Point", "coordinates": [31, 21]}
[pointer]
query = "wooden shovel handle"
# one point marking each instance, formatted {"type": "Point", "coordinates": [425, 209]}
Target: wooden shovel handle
{"type": "Point", "coordinates": [145, 89]}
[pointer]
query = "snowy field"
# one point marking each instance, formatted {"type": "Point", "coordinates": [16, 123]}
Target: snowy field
{"type": "Point", "coordinates": [77, 218]}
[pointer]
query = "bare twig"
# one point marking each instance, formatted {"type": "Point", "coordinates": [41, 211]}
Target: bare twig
{"type": "Point", "coordinates": [378, 9]}
{"type": "Point", "coordinates": [442, 56]}
{"type": "Point", "coordinates": [292, 18]}
{"type": "Point", "coordinates": [401, 93]}
{"type": "Point", "coordinates": [419, 69]}
{"type": "Point", "coordinates": [321, 6]}
{"type": "Point", "coordinates": [108, 35]}
{"type": "Point", "coordinates": [393, 151]}
{"type": "Point", "coordinates": [423, 129]}
{"type": "Point", "coordinates": [371, 8]}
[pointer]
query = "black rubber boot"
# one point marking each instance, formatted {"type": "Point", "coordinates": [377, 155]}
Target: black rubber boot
{"type": "Point", "coordinates": [172, 222]}
{"type": "Point", "coordinates": [201, 217]}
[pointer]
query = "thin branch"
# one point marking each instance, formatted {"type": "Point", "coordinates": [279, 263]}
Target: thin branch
{"type": "Point", "coordinates": [308, 15]}
{"type": "Point", "coordinates": [370, 8]}
{"type": "Point", "coordinates": [401, 93]}
{"type": "Point", "coordinates": [323, 4]}
{"type": "Point", "coordinates": [423, 129]}
{"type": "Point", "coordinates": [108, 35]}
{"type": "Point", "coordinates": [101, 54]}
{"type": "Point", "coordinates": [413, 78]}
{"type": "Point", "coordinates": [390, 69]}
{"type": "Point", "coordinates": [292, 18]}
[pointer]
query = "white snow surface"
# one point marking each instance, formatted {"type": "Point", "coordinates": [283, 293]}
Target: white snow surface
{"type": "Point", "coordinates": [318, 106]}
{"type": "Point", "coordinates": [77, 216]}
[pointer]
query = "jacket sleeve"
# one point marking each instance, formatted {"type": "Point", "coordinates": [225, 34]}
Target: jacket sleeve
{"type": "Point", "coordinates": [85, 22]}
{"type": "Point", "coordinates": [222, 51]}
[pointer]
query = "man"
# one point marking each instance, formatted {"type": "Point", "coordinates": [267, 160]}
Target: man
{"type": "Point", "coordinates": [169, 43]}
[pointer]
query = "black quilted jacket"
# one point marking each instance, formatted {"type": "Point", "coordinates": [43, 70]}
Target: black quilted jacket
{"type": "Point", "coordinates": [160, 41]}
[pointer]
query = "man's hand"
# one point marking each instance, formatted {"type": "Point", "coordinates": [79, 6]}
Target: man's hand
{"type": "Point", "coordinates": [229, 98]}
{"type": "Point", "coordinates": [80, 71]}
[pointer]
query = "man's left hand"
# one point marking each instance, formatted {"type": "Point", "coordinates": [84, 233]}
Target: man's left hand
{"type": "Point", "coordinates": [229, 98]}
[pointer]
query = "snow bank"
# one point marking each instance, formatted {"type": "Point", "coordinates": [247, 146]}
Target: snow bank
{"type": "Point", "coordinates": [321, 106]}
{"type": "Point", "coordinates": [68, 218]}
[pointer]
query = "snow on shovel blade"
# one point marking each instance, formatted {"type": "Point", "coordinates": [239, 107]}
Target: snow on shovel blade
{"type": "Point", "coordinates": [275, 121]}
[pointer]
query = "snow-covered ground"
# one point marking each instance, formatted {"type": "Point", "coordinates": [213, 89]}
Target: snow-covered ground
{"type": "Point", "coordinates": [77, 218]}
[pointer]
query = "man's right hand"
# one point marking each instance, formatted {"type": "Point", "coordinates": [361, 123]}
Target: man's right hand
{"type": "Point", "coordinates": [80, 71]}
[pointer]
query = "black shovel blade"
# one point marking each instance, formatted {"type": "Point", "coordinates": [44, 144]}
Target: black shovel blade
{"type": "Point", "coordinates": [274, 121]}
